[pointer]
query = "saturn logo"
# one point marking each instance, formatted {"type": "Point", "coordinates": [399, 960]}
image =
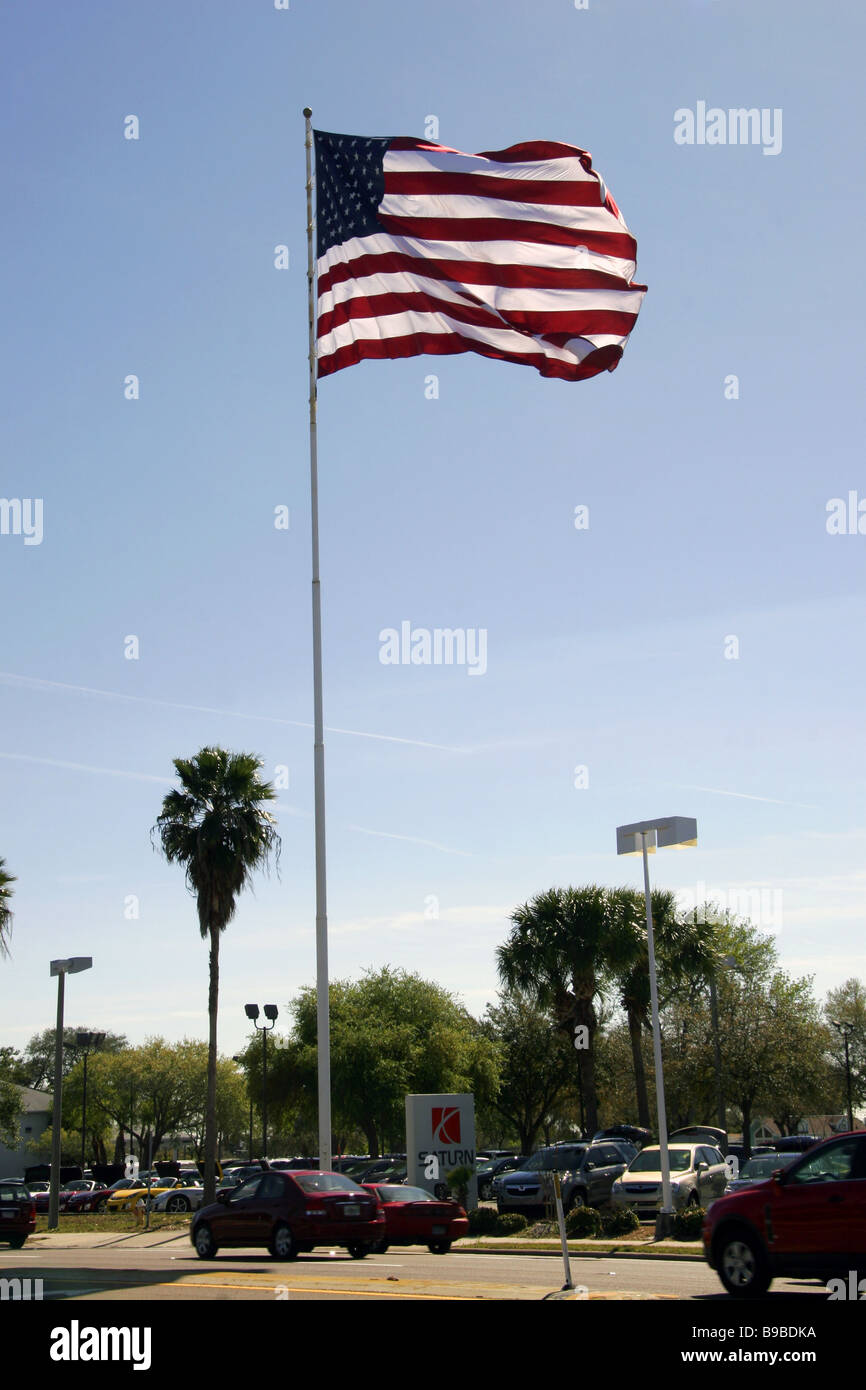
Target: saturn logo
{"type": "Point", "coordinates": [446, 1124]}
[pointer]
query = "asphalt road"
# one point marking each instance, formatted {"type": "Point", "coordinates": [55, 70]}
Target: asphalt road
{"type": "Point", "coordinates": [173, 1271]}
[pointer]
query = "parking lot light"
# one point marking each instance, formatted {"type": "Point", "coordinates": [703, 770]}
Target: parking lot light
{"type": "Point", "coordinates": [271, 1012]}
{"type": "Point", "coordinates": [60, 968]}
{"type": "Point", "coordinates": [641, 837]}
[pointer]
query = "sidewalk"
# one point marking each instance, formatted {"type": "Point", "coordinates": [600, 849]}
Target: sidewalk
{"type": "Point", "coordinates": [483, 1245]}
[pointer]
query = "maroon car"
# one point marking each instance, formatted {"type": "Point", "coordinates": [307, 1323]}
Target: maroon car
{"type": "Point", "coordinates": [413, 1217]}
{"type": "Point", "coordinates": [17, 1212]}
{"type": "Point", "coordinates": [93, 1200]}
{"type": "Point", "coordinates": [290, 1213]}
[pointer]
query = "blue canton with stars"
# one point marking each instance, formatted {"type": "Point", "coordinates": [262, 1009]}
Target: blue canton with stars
{"type": "Point", "coordinates": [350, 185]}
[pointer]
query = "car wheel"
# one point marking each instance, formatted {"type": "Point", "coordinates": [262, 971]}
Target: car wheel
{"type": "Point", "coordinates": [102, 1206]}
{"type": "Point", "coordinates": [283, 1243]}
{"type": "Point", "coordinates": [439, 1247]}
{"type": "Point", "coordinates": [575, 1202]}
{"type": "Point", "coordinates": [17, 1241]}
{"type": "Point", "coordinates": [358, 1251]}
{"type": "Point", "coordinates": [177, 1204]}
{"type": "Point", "coordinates": [484, 1192]}
{"type": "Point", "coordinates": [742, 1265]}
{"type": "Point", "coordinates": [205, 1245]}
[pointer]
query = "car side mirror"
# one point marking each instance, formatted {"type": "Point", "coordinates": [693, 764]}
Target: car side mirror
{"type": "Point", "coordinates": [224, 1195]}
{"type": "Point", "coordinates": [779, 1177]}
{"type": "Point", "coordinates": [702, 1166]}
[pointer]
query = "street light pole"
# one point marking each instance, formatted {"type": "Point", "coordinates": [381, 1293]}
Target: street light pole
{"type": "Point", "coordinates": [252, 1012]}
{"type": "Point", "coordinates": [846, 1029]}
{"type": "Point", "coordinates": [664, 1220]}
{"type": "Point", "coordinates": [60, 968]}
{"type": "Point", "coordinates": [642, 838]}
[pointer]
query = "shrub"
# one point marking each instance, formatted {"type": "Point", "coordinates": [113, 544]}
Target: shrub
{"type": "Point", "coordinates": [583, 1221]}
{"type": "Point", "coordinates": [459, 1181]}
{"type": "Point", "coordinates": [483, 1221]}
{"type": "Point", "coordinates": [687, 1224]}
{"type": "Point", "coordinates": [510, 1223]}
{"type": "Point", "coordinates": [619, 1221]}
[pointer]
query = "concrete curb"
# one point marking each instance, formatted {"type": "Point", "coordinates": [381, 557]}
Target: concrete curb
{"type": "Point", "coordinates": [145, 1240]}
{"type": "Point", "coordinates": [692, 1252]}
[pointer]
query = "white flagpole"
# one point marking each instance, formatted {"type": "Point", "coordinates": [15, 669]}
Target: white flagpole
{"type": "Point", "coordinates": [322, 1011]}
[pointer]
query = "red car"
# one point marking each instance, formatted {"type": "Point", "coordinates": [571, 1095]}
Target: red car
{"type": "Point", "coordinates": [290, 1213]}
{"type": "Point", "coordinates": [17, 1212]}
{"type": "Point", "coordinates": [413, 1217]}
{"type": "Point", "coordinates": [94, 1200]}
{"type": "Point", "coordinates": [806, 1222]}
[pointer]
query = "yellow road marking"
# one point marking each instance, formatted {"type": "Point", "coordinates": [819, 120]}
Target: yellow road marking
{"type": "Point", "coordinates": [313, 1288]}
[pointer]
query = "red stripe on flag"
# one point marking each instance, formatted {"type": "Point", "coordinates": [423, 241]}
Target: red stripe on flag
{"type": "Point", "coordinates": [568, 323]}
{"type": "Point", "coordinates": [502, 229]}
{"type": "Point", "coordinates": [604, 359]}
{"type": "Point", "coordinates": [555, 192]}
{"type": "Point", "coordinates": [532, 150]}
{"type": "Point", "coordinates": [518, 277]}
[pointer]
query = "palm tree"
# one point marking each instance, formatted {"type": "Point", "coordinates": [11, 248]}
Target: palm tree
{"type": "Point", "coordinates": [684, 952]}
{"type": "Point", "coordinates": [5, 909]}
{"type": "Point", "coordinates": [562, 946]}
{"type": "Point", "coordinates": [216, 826]}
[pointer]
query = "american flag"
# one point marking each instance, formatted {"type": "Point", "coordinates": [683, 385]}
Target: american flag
{"type": "Point", "coordinates": [519, 254]}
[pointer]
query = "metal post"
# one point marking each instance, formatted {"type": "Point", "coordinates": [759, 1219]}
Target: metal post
{"type": "Point", "coordinates": [265, 1093]}
{"type": "Point", "coordinates": [149, 1179]}
{"type": "Point", "coordinates": [717, 1052]}
{"type": "Point", "coordinates": [560, 1218]}
{"type": "Point", "coordinates": [84, 1114]}
{"type": "Point", "coordinates": [322, 1009]}
{"type": "Point", "coordinates": [54, 1191]}
{"type": "Point", "coordinates": [848, 1076]}
{"type": "Point", "coordinates": [663, 1220]}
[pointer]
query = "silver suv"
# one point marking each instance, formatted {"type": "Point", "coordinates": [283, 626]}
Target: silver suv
{"type": "Point", "coordinates": [587, 1173]}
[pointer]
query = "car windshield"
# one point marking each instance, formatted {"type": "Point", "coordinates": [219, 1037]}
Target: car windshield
{"type": "Point", "coordinates": [326, 1182]}
{"type": "Point", "coordinates": [765, 1165]}
{"type": "Point", "coordinates": [649, 1161]}
{"type": "Point", "coordinates": [555, 1160]}
{"type": "Point", "coordinates": [403, 1194]}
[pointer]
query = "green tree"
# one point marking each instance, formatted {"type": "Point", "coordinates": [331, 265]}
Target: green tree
{"type": "Point", "coordinates": [536, 1068]}
{"type": "Point", "coordinates": [563, 946]}
{"type": "Point", "coordinates": [11, 1109]}
{"type": "Point", "coordinates": [5, 908]}
{"type": "Point", "coordinates": [38, 1059]}
{"type": "Point", "coordinates": [847, 1004]}
{"type": "Point", "coordinates": [152, 1091]}
{"type": "Point", "coordinates": [217, 827]}
{"type": "Point", "coordinates": [12, 1067]}
{"type": "Point", "coordinates": [684, 953]}
{"type": "Point", "coordinates": [392, 1033]}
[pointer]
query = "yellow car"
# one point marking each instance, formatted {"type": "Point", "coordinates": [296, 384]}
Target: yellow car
{"type": "Point", "coordinates": [125, 1198]}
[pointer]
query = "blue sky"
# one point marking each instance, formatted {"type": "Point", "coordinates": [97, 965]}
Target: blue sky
{"type": "Point", "coordinates": [606, 647]}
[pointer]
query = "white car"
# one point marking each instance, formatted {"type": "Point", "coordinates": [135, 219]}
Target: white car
{"type": "Point", "coordinates": [179, 1199]}
{"type": "Point", "coordinates": [698, 1177]}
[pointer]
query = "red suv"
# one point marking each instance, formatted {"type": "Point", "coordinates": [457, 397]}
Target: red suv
{"type": "Point", "coordinates": [807, 1222]}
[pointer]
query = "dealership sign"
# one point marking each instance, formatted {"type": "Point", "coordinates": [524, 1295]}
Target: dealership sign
{"type": "Point", "coordinates": [440, 1136]}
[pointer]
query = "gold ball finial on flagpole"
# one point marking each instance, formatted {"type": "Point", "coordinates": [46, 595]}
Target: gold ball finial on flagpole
{"type": "Point", "coordinates": [308, 111]}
